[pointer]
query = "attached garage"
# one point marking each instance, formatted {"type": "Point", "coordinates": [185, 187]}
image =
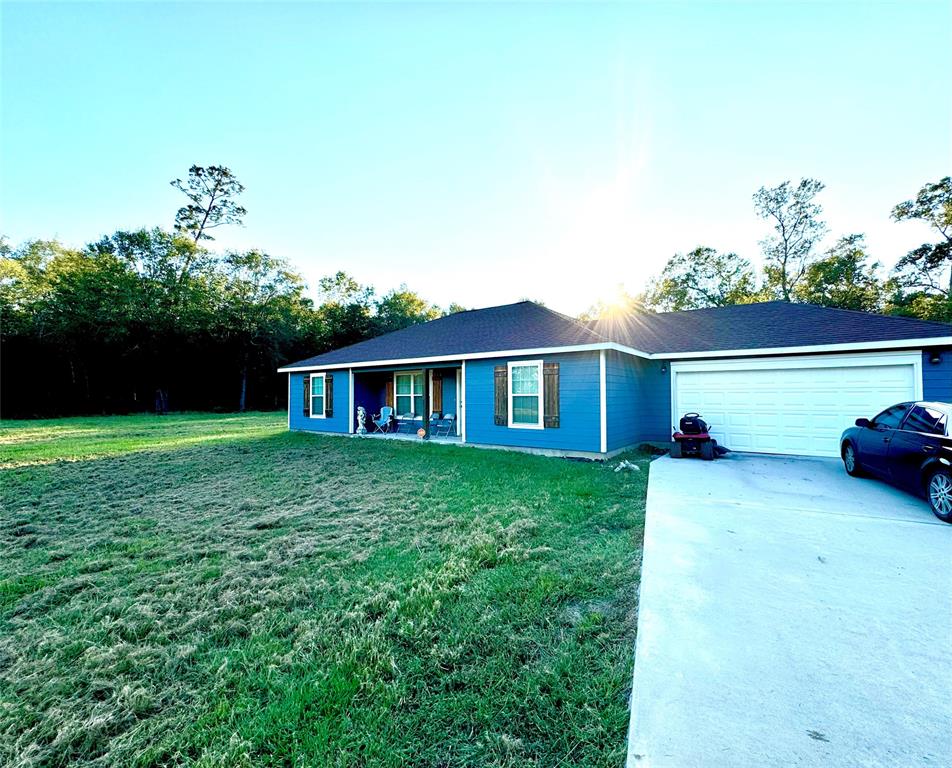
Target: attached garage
{"type": "Point", "coordinates": [792, 405]}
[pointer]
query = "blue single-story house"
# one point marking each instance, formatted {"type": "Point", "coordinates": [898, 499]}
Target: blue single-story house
{"type": "Point", "coordinates": [771, 377]}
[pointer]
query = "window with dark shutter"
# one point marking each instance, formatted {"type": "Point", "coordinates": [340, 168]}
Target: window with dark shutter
{"type": "Point", "coordinates": [388, 396]}
{"type": "Point", "coordinates": [550, 394]}
{"type": "Point", "coordinates": [328, 396]}
{"type": "Point", "coordinates": [501, 397]}
{"type": "Point", "coordinates": [306, 388]}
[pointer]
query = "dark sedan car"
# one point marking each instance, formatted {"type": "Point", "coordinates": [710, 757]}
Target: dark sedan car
{"type": "Point", "coordinates": [910, 446]}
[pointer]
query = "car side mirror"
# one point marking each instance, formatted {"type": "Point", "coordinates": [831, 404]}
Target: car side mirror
{"type": "Point", "coordinates": [862, 422]}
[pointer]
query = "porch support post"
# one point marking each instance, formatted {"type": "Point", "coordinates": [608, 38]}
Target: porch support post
{"type": "Point", "coordinates": [602, 404]}
{"type": "Point", "coordinates": [461, 416]}
{"type": "Point", "coordinates": [350, 400]}
{"type": "Point", "coordinates": [426, 403]}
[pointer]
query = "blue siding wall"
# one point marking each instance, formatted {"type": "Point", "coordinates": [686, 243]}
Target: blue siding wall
{"type": "Point", "coordinates": [639, 400]}
{"type": "Point", "coordinates": [578, 406]}
{"type": "Point", "coordinates": [622, 381]}
{"type": "Point", "coordinates": [339, 422]}
{"type": "Point", "coordinates": [449, 391]}
{"type": "Point", "coordinates": [937, 379]}
{"type": "Point", "coordinates": [654, 400]}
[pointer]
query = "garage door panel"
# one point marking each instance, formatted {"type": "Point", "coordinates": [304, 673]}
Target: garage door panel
{"type": "Point", "coordinates": [797, 410]}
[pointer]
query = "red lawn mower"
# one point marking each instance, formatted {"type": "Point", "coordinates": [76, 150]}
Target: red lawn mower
{"type": "Point", "coordinates": [693, 439]}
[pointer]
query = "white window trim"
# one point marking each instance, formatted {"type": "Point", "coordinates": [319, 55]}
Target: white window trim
{"type": "Point", "coordinates": [413, 392]}
{"type": "Point", "coordinates": [310, 395]}
{"type": "Point", "coordinates": [526, 364]}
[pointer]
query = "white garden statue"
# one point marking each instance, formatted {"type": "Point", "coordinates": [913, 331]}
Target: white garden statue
{"type": "Point", "coordinates": [361, 420]}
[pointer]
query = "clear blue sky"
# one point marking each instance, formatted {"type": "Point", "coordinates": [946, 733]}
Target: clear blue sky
{"type": "Point", "coordinates": [479, 153]}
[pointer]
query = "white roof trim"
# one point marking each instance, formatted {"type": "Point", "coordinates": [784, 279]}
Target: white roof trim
{"type": "Point", "coordinates": [860, 346]}
{"type": "Point", "coordinates": [939, 341]}
{"type": "Point", "coordinates": [469, 356]}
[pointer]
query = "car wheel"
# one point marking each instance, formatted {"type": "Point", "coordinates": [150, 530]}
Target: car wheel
{"type": "Point", "coordinates": [850, 461]}
{"type": "Point", "coordinates": [939, 491]}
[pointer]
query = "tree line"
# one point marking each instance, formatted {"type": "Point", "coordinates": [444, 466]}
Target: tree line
{"type": "Point", "coordinates": [843, 276]}
{"type": "Point", "coordinates": [155, 319]}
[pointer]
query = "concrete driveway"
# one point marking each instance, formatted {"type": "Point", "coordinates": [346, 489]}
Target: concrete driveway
{"type": "Point", "coordinates": [790, 616]}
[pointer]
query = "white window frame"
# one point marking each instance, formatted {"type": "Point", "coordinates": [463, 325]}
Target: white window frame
{"type": "Point", "coordinates": [413, 393]}
{"type": "Point", "coordinates": [526, 364]}
{"type": "Point", "coordinates": [310, 394]}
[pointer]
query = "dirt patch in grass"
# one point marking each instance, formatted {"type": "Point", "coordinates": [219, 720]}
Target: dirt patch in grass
{"type": "Point", "coordinates": [266, 598]}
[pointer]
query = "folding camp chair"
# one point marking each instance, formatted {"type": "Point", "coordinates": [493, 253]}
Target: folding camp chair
{"type": "Point", "coordinates": [382, 420]}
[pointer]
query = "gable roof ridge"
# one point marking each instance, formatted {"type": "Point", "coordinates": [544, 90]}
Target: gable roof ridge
{"type": "Point", "coordinates": [863, 313]}
{"type": "Point", "coordinates": [938, 323]}
{"type": "Point", "coordinates": [573, 320]}
{"type": "Point", "coordinates": [725, 306]}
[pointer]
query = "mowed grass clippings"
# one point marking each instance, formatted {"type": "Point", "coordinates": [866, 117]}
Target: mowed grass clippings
{"type": "Point", "coordinates": [270, 598]}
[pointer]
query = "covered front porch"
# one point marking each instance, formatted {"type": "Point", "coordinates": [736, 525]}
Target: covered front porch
{"type": "Point", "coordinates": [410, 402]}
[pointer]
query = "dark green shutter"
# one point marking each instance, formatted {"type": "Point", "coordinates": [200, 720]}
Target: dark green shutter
{"type": "Point", "coordinates": [501, 399]}
{"type": "Point", "coordinates": [307, 394]}
{"type": "Point", "coordinates": [550, 395]}
{"type": "Point", "coordinates": [328, 396]}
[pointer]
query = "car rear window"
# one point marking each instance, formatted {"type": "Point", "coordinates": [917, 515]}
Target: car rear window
{"type": "Point", "coordinates": [924, 419]}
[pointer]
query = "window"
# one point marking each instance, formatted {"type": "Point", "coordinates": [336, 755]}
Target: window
{"type": "Point", "coordinates": [890, 418]}
{"type": "Point", "coordinates": [525, 394]}
{"type": "Point", "coordinates": [924, 419]}
{"type": "Point", "coordinates": [409, 393]}
{"type": "Point", "coordinates": [317, 396]}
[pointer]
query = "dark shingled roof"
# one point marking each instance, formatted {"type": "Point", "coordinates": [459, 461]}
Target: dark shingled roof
{"type": "Point", "coordinates": [761, 326]}
{"type": "Point", "coordinates": [527, 325]}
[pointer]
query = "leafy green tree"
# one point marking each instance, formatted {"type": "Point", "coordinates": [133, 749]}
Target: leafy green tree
{"type": "Point", "coordinates": [23, 283]}
{"type": "Point", "coordinates": [797, 225]}
{"type": "Point", "coordinates": [84, 313]}
{"type": "Point", "coordinates": [402, 308]}
{"type": "Point", "coordinates": [702, 278]}
{"type": "Point", "coordinates": [150, 311]}
{"type": "Point", "coordinates": [262, 298]}
{"type": "Point", "coordinates": [178, 291]}
{"type": "Point", "coordinates": [922, 305]}
{"type": "Point", "coordinates": [344, 312]}
{"type": "Point", "coordinates": [453, 308]}
{"type": "Point", "coordinates": [843, 278]}
{"type": "Point", "coordinates": [211, 192]}
{"type": "Point", "coordinates": [926, 271]}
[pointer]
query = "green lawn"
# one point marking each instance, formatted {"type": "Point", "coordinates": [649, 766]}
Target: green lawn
{"type": "Point", "coordinates": [213, 590]}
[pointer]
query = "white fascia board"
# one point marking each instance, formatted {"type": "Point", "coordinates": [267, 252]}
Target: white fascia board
{"type": "Point", "coordinates": [865, 346]}
{"type": "Point", "coordinates": [471, 356]}
{"type": "Point", "coordinates": [862, 346]}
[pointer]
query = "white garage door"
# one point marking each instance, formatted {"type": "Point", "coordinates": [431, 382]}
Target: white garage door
{"type": "Point", "coordinates": [792, 405]}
